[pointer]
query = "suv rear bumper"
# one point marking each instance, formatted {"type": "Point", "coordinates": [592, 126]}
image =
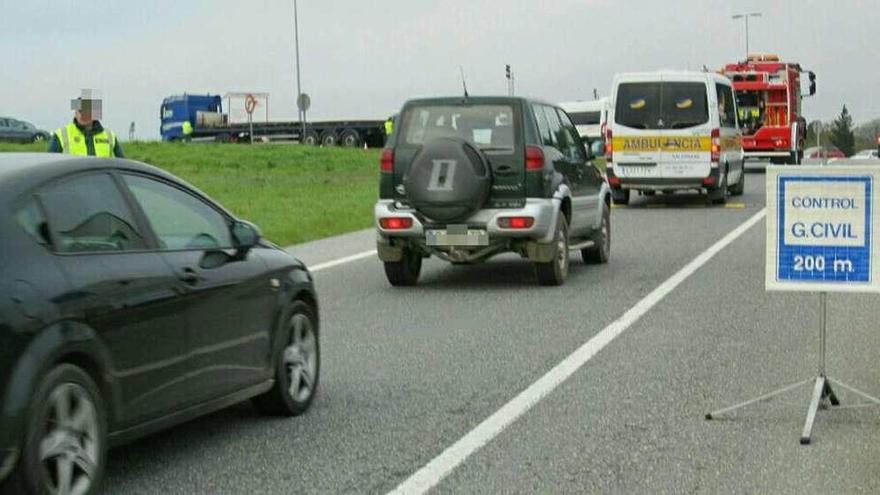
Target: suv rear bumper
{"type": "Point", "coordinates": [544, 211]}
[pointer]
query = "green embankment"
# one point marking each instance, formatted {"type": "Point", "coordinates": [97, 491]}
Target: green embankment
{"type": "Point", "coordinates": [295, 194]}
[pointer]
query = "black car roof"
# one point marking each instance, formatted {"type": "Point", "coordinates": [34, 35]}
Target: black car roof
{"type": "Point", "coordinates": [20, 172]}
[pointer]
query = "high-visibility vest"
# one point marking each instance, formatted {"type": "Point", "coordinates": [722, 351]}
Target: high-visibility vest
{"type": "Point", "coordinates": [389, 127]}
{"type": "Point", "coordinates": [73, 141]}
{"type": "Point", "coordinates": [187, 128]}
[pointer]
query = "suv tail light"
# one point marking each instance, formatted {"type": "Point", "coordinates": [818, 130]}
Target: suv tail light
{"type": "Point", "coordinates": [534, 158]}
{"type": "Point", "coordinates": [609, 146]}
{"type": "Point", "coordinates": [396, 223]}
{"type": "Point", "coordinates": [386, 163]}
{"type": "Point", "coordinates": [516, 222]}
{"type": "Point", "coordinates": [716, 147]}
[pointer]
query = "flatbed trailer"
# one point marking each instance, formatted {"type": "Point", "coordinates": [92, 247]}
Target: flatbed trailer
{"type": "Point", "coordinates": [209, 122]}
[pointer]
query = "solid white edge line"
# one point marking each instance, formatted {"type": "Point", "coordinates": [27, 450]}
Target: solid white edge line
{"type": "Point", "coordinates": [433, 473]}
{"type": "Point", "coordinates": [342, 261]}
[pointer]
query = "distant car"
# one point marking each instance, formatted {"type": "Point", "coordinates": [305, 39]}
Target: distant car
{"type": "Point", "coordinates": [815, 153]}
{"type": "Point", "coordinates": [19, 131]}
{"type": "Point", "coordinates": [133, 302]}
{"type": "Point", "coordinates": [866, 155]}
{"type": "Point", "coordinates": [589, 117]}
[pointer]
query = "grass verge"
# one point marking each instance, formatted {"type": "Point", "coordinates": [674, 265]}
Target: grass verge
{"type": "Point", "coordinates": [295, 194]}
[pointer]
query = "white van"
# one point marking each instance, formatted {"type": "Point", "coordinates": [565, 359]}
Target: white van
{"type": "Point", "coordinates": [670, 131]}
{"type": "Point", "coordinates": [588, 117]}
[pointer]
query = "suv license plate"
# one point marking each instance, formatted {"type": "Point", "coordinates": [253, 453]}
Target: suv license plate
{"type": "Point", "coordinates": [455, 237]}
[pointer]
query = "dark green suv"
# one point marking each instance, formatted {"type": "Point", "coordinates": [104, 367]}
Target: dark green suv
{"type": "Point", "coordinates": [466, 178]}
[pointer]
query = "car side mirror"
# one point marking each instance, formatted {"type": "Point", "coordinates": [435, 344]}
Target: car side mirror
{"type": "Point", "coordinates": [586, 146]}
{"type": "Point", "coordinates": [245, 235]}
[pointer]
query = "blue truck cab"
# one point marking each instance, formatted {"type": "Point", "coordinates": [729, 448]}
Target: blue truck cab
{"type": "Point", "coordinates": [179, 108]}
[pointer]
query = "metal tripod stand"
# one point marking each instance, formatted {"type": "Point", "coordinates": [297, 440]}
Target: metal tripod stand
{"type": "Point", "coordinates": [822, 391]}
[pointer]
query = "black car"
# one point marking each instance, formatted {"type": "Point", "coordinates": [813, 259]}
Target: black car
{"type": "Point", "coordinates": [129, 302]}
{"type": "Point", "coordinates": [19, 131]}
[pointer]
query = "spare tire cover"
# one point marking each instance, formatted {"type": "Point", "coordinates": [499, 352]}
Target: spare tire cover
{"type": "Point", "coordinates": [448, 179]}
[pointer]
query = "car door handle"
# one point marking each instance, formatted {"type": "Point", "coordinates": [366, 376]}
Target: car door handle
{"type": "Point", "coordinates": [189, 276]}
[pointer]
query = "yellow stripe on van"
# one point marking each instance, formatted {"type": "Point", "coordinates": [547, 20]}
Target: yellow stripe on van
{"type": "Point", "coordinates": [662, 143]}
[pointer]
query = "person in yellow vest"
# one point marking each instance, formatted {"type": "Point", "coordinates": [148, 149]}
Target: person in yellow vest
{"type": "Point", "coordinates": [187, 130]}
{"type": "Point", "coordinates": [85, 136]}
{"type": "Point", "coordinates": [389, 126]}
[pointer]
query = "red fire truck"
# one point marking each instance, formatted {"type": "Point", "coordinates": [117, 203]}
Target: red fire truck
{"type": "Point", "coordinates": [768, 94]}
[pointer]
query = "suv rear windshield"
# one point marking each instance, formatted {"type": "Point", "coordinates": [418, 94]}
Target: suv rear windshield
{"type": "Point", "coordinates": [585, 118]}
{"type": "Point", "coordinates": [661, 105]}
{"type": "Point", "coordinates": [488, 127]}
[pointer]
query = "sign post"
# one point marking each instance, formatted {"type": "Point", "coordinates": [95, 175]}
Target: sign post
{"type": "Point", "coordinates": [821, 237]}
{"type": "Point", "coordinates": [250, 104]}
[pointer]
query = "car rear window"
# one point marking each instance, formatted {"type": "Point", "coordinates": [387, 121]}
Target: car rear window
{"type": "Point", "coordinates": [488, 127]}
{"type": "Point", "coordinates": [585, 118]}
{"type": "Point", "coordinates": [661, 105]}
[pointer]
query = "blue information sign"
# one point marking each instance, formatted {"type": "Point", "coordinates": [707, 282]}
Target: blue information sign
{"type": "Point", "coordinates": [824, 228]}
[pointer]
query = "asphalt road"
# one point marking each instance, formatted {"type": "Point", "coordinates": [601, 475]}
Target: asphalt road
{"type": "Point", "coordinates": [408, 372]}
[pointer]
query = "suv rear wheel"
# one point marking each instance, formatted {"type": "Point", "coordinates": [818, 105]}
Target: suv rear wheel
{"type": "Point", "coordinates": [555, 271]}
{"type": "Point", "coordinates": [600, 251]}
{"type": "Point", "coordinates": [406, 271]}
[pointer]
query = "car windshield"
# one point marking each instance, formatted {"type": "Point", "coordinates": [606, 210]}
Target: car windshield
{"type": "Point", "coordinates": [585, 118]}
{"type": "Point", "coordinates": [488, 127]}
{"type": "Point", "coordinates": [661, 105]}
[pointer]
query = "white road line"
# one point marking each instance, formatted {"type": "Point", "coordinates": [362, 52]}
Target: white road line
{"type": "Point", "coordinates": [342, 261]}
{"type": "Point", "coordinates": [432, 473]}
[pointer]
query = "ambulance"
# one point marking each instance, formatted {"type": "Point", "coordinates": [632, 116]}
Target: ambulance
{"type": "Point", "coordinates": [671, 131]}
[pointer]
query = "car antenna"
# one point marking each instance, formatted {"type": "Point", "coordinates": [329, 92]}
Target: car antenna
{"type": "Point", "coordinates": [463, 82]}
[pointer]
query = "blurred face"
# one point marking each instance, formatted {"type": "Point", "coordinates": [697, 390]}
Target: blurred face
{"type": "Point", "coordinates": [84, 117]}
{"type": "Point", "coordinates": [88, 111]}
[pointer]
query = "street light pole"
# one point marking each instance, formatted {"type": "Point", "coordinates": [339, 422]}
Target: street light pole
{"type": "Point", "coordinates": [746, 17]}
{"type": "Point", "coordinates": [301, 113]}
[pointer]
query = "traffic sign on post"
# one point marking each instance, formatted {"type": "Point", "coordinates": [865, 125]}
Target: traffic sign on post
{"type": "Point", "coordinates": [821, 237]}
{"type": "Point", "coordinates": [821, 232]}
{"type": "Point", "coordinates": [303, 102]}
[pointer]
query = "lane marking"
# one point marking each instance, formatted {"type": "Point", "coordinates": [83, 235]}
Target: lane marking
{"type": "Point", "coordinates": [434, 471]}
{"type": "Point", "coordinates": [342, 261]}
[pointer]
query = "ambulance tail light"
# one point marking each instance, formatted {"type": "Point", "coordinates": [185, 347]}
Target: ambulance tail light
{"type": "Point", "coordinates": [716, 147]}
{"type": "Point", "coordinates": [609, 146]}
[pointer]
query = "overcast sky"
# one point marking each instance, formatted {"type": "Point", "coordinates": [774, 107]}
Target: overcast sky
{"type": "Point", "coordinates": [363, 59]}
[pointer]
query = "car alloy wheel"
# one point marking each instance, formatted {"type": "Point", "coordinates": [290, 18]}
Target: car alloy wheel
{"type": "Point", "coordinates": [297, 364]}
{"type": "Point", "coordinates": [70, 445]}
{"type": "Point", "coordinates": [301, 358]}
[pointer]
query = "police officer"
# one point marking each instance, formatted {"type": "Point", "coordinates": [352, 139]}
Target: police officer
{"type": "Point", "coordinates": [187, 130]}
{"type": "Point", "coordinates": [85, 136]}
